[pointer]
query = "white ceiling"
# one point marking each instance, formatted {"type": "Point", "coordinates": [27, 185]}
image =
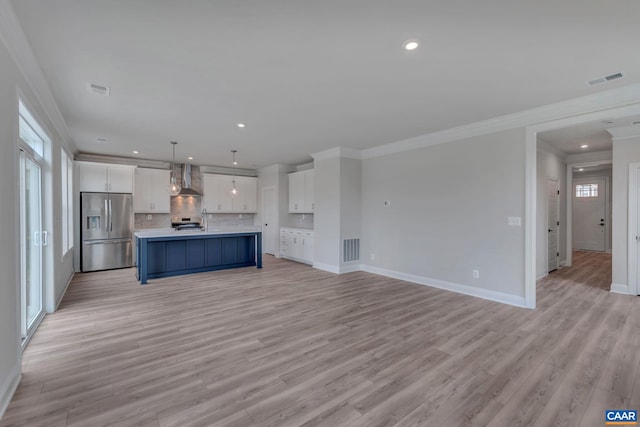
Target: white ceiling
{"type": "Point", "coordinates": [594, 134]}
{"type": "Point", "coordinates": [307, 75]}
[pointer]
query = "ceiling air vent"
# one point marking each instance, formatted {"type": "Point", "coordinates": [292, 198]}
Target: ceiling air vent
{"type": "Point", "coordinates": [605, 79]}
{"type": "Point", "coordinates": [98, 89]}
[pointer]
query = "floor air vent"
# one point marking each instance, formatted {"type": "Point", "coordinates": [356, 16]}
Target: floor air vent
{"type": "Point", "coordinates": [350, 250]}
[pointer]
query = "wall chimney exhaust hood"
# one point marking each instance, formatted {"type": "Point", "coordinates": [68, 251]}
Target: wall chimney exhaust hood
{"type": "Point", "coordinates": [186, 182]}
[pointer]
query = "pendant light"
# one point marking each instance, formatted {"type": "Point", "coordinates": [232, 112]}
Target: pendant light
{"type": "Point", "coordinates": [173, 188]}
{"type": "Point", "coordinates": [234, 190]}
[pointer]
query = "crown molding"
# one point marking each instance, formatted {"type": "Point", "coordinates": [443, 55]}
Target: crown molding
{"type": "Point", "coordinates": [548, 148]}
{"type": "Point", "coordinates": [605, 156]}
{"type": "Point", "coordinates": [15, 40]}
{"type": "Point", "coordinates": [337, 152]}
{"type": "Point", "coordinates": [620, 97]}
{"type": "Point", "coordinates": [624, 132]}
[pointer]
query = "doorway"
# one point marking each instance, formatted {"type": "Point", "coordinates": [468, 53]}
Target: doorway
{"type": "Point", "coordinates": [34, 146]}
{"type": "Point", "coordinates": [553, 224]}
{"type": "Point", "coordinates": [270, 221]}
{"type": "Point", "coordinates": [32, 241]}
{"type": "Point", "coordinates": [590, 214]}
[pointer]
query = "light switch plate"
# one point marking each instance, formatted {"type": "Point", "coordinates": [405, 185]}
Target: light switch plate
{"type": "Point", "coordinates": [514, 221]}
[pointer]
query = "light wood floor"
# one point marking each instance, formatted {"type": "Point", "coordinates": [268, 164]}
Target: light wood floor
{"type": "Point", "coordinates": [290, 346]}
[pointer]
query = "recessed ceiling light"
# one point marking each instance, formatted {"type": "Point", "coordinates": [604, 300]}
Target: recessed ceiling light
{"type": "Point", "coordinates": [190, 157]}
{"type": "Point", "coordinates": [584, 146]}
{"type": "Point", "coordinates": [411, 44]}
{"type": "Point", "coordinates": [241, 125]}
{"type": "Point", "coordinates": [135, 152]}
{"type": "Point", "coordinates": [581, 170]}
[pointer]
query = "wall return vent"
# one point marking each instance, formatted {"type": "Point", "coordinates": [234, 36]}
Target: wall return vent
{"type": "Point", "coordinates": [350, 250]}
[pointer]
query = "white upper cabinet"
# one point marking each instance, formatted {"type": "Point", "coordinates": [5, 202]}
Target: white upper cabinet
{"type": "Point", "coordinates": [217, 198]}
{"type": "Point", "coordinates": [150, 191]}
{"type": "Point", "coordinates": [247, 198]}
{"type": "Point", "coordinates": [102, 177]}
{"type": "Point", "coordinates": [301, 192]}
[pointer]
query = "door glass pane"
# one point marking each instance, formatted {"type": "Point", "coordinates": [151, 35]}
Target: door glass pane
{"type": "Point", "coordinates": [32, 241]}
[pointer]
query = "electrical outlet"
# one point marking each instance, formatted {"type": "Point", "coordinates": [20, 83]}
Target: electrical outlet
{"type": "Point", "coordinates": [475, 274]}
{"type": "Point", "coordinates": [373, 257]}
{"type": "Point", "coordinates": [149, 217]}
{"type": "Point", "coordinates": [386, 203]}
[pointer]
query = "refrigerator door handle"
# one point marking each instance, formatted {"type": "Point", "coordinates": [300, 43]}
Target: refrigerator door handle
{"type": "Point", "coordinates": [106, 215]}
{"type": "Point", "coordinates": [110, 218]}
{"type": "Point", "coordinates": [102, 242]}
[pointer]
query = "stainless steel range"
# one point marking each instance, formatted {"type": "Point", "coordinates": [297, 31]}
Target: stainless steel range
{"type": "Point", "coordinates": [187, 223]}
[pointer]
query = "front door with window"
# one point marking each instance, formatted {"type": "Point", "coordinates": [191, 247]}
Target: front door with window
{"type": "Point", "coordinates": [589, 214]}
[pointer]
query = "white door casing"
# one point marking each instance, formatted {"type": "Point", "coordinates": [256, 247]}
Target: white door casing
{"type": "Point", "coordinates": [633, 250]}
{"type": "Point", "coordinates": [553, 224]}
{"type": "Point", "coordinates": [589, 216]}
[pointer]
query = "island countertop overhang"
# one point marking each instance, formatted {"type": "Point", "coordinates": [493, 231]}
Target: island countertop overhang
{"type": "Point", "coordinates": [213, 231]}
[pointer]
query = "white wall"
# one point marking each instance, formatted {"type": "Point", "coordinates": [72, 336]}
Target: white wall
{"type": "Point", "coordinates": [9, 313]}
{"type": "Point", "coordinates": [350, 202]}
{"type": "Point", "coordinates": [58, 270]}
{"type": "Point", "coordinates": [448, 215]}
{"type": "Point", "coordinates": [327, 214]}
{"type": "Point", "coordinates": [549, 166]}
{"type": "Point", "coordinates": [625, 151]}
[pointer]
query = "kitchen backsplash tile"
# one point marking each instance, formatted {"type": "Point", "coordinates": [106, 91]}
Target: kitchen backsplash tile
{"type": "Point", "coordinates": [157, 221]}
{"type": "Point", "coordinates": [300, 221]}
{"type": "Point", "coordinates": [186, 207]}
{"type": "Point", "coordinates": [230, 220]}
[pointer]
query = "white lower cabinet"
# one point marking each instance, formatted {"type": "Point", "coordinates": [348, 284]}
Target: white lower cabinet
{"type": "Point", "coordinates": [297, 244]}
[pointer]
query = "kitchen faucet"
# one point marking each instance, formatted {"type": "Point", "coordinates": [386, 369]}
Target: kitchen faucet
{"type": "Point", "coordinates": [205, 220]}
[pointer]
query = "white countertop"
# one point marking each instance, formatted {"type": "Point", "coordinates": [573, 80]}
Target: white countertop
{"type": "Point", "coordinates": [170, 232]}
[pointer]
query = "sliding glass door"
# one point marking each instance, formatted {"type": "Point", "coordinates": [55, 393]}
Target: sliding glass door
{"type": "Point", "coordinates": [32, 241]}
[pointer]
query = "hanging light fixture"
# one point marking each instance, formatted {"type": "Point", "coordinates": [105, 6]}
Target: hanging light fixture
{"type": "Point", "coordinates": [234, 190]}
{"type": "Point", "coordinates": [173, 188]}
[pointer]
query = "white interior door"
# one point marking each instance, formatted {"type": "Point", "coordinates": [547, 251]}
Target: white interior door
{"type": "Point", "coordinates": [270, 221]}
{"type": "Point", "coordinates": [589, 214]}
{"type": "Point", "coordinates": [553, 215]}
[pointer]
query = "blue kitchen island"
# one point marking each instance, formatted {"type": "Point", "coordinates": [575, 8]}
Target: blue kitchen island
{"type": "Point", "coordinates": [167, 252]}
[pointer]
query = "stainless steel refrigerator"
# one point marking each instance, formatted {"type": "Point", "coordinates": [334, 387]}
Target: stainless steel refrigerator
{"type": "Point", "coordinates": [107, 231]}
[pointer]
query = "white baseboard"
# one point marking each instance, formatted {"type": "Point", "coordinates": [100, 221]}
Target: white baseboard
{"type": "Point", "coordinates": [64, 291]}
{"type": "Point", "coordinates": [350, 268]}
{"type": "Point", "coordinates": [337, 269]}
{"type": "Point", "coordinates": [9, 388]}
{"type": "Point", "coordinates": [619, 288]}
{"type": "Point", "coordinates": [327, 267]}
{"type": "Point", "coordinates": [542, 276]}
{"type": "Point", "coordinates": [501, 297]}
